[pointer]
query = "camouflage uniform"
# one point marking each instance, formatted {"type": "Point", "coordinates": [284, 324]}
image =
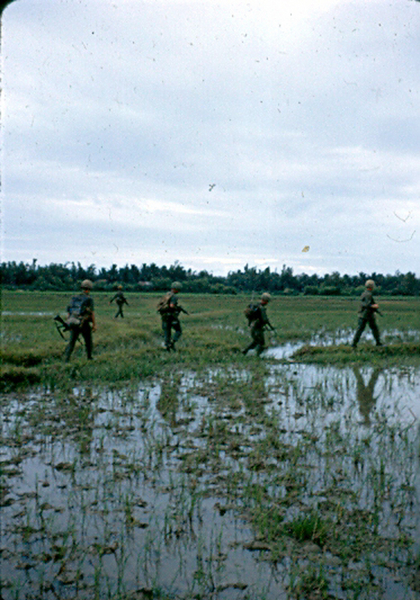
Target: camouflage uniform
{"type": "Point", "coordinates": [257, 330]}
{"type": "Point", "coordinates": [120, 300]}
{"type": "Point", "coordinates": [367, 317]}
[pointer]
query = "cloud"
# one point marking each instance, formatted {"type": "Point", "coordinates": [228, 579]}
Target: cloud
{"type": "Point", "coordinates": [118, 116]}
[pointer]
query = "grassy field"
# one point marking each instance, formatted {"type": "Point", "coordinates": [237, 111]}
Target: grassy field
{"type": "Point", "coordinates": [214, 333]}
{"type": "Point", "coordinates": [204, 474]}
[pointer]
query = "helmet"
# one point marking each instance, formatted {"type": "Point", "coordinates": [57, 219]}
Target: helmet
{"type": "Point", "coordinates": [176, 285]}
{"type": "Point", "coordinates": [370, 283]}
{"type": "Point", "coordinates": [266, 297]}
{"type": "Point", "coordinates": [87, 284]}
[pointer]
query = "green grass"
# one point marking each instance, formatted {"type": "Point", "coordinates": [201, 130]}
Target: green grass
{"type": "Point", "coordinates": [392, 354]}
{"type": "Point", "coordinates": [214, 333]}
{"type": "Point", "coordinates": [289, 464]}
{"type": "Point", "coordinates": [309, 527]}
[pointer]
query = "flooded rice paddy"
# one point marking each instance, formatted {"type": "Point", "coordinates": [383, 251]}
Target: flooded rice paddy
{"type": "Point", "coordinates": [302, 482]}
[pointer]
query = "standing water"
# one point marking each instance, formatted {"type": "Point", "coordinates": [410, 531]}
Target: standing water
{"type": "Point", "coordinates": [221, 485]}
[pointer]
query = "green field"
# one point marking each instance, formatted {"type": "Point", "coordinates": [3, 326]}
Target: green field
{"type": "Point", "coordinates": [205, 474]}
{"type": "Point", "coordinates": [215, 331]}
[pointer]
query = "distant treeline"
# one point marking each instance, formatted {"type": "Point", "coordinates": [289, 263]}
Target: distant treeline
{"type": "Point", "coordinates": [67, 277]}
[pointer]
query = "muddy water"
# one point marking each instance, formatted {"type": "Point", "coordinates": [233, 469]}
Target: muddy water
{"type": "Point", "coordinates": [103, 492]}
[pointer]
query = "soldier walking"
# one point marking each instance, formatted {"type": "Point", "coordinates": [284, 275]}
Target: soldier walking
{"type": "Point", "coordinates": [80, 317]}
{"type": "Point", "coordinates": [169, 310]}
{"type": "Point", "coordinates": [367, 310]}
{"type": "Point", "coordinates": [120, 300]}
{"type": "Point", "coordinates": [258, 320]}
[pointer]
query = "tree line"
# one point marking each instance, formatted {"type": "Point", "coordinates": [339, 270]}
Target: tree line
{"type": "Point", "coordinates": [133, 278]}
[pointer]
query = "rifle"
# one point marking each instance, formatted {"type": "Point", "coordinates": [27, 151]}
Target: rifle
{"type": "Point", "coordinates": [179, 309]}
{"type": "Point", "coordinates": [378, 311]}
{"type": "Point", "coordinates": [61, 326]}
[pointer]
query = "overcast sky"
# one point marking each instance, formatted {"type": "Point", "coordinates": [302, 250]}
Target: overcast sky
{"type": "Point", "coordinates": [213, 133]}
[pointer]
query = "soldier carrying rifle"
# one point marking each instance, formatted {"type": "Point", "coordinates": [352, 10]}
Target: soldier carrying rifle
{"type": "Point", "coordinates": [120, 299]}
{"type": "Point", "coordinates": [169, 310]}
{"type": "Point", "coordinates": [80, 317]}
{"type": "Point", "coordinates": [258, 321]}
{"type": "Point", "coordinates": [367, 310]}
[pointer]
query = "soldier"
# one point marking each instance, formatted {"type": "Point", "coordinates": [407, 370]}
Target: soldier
{"type": "Point", "coordinates": [169, 310]}
{"type": "Point", "coordinates": [367, 310]}
{"type": "Point", "coordinates": [120, 300]}
{"type": "Point", "coordinates": [80, 315]}
{"type": "Point", "coordinates": [258, 320]}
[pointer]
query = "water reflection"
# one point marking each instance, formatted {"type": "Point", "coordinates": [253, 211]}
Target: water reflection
{"type": "Point", "coordinates": [21, 313]}
{"type": "Point", "coordinates": [365, 392]}
{"type": "Point", "coordinates": [153, 475]}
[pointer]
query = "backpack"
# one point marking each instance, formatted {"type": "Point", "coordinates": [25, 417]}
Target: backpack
{"type": "Point", "coordinates": [163, 304]}
{"type": "Point", "coordinates": [252, 312]}
{"type": "Point", "coordinates": [76, 311]}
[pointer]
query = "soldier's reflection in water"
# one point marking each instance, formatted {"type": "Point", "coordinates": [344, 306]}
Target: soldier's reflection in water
{"type": "Point", "coordinates": [364, 392]}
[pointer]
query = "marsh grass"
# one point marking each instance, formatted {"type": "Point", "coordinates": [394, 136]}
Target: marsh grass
{"type": "Point", "coordinates": [145, 472]}
{"type": "Point", "coordinates": [303, 493]}
{"type": "Point", "coordinates": [309, 527]}
{"type": "Point", "coordinates": [214, 333]}
{"type": "Point", "coordinates": [365, 353]}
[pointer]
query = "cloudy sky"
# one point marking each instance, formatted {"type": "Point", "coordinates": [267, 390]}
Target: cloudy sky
{"type": "Point", "coordinates": [213, 133]}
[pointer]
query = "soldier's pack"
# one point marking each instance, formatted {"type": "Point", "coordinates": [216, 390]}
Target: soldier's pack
{"type": "Point", "coordinates": [75, 310]}
{"type": "Point", "coordinates": [252, 312]}
{"type": "Point", "coordinates": [163, 304]}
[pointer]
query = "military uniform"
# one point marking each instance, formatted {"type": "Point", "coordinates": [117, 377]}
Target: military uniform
{"type": "Point", "coordinates": [367, 317]}
{"type": "Point", "coordinates": [257, 330]}
{"type": "Point", "coordinates": [170, 320]}
{"type": "Point", "coordinates": [120, 299]}
{"type": "Point", "coordinates": [86, 314]}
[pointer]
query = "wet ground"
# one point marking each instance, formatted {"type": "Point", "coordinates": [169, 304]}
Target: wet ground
{"type": "Point", "coordinates": [202, 487]}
